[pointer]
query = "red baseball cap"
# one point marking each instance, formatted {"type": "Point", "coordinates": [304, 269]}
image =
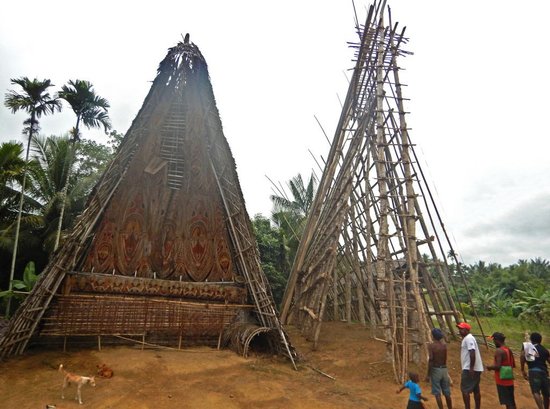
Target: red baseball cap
{"type": "Point", "coordinates": [464, 325]}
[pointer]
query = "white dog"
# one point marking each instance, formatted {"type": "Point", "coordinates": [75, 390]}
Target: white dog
{"type": "Point", "coordinates": [76, 379]}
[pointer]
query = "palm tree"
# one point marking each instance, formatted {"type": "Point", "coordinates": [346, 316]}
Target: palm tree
{"type": "Point", "coordinates": [91, 110]}
{"type": "Point", "coordinates": [52, 156]}
{"type": "Point", "coordinates": [12, 167]}
{"type": "Point", "coordinates": [302, 196]}
{"type": "Point", "coordinates": [35, 100]}
{"type": "Point", "coordinates": [290, 214]}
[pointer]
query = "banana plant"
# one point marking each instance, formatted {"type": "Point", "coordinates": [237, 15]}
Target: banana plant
{"type": "Point", "coordinates": [24, 285]}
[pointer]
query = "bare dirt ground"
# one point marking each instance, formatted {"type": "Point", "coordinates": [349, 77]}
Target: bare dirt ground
{"type": "Point", "coordinates": [201, 378]}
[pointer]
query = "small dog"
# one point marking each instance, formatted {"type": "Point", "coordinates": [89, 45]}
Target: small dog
{"type": "Point", "coordinates": [77, 379]}
{"type": "Point", "coordinates": [104, 371]}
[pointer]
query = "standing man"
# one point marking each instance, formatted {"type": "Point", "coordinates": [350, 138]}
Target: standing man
{"type": "Point", "coordinates": [472, 366]}
{"type": "Point", "coordinates": [538, 372]}
{"type": "Point", "coordinates": [438, 374]}
{"type": "Point", "coordinates": [503, 357]}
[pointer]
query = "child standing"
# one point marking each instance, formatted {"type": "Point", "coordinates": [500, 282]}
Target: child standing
{"type": "Point", "coordinates": [415, 393]}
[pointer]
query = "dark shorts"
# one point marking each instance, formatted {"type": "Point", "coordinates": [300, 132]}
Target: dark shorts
{"type": "Point", "coordinates": [440, 381]}
{"type": "Point", "coordinates": [506, 395]}
{"type": "Point", "coordinates": [414, 405]}
{"type": "Point", "coordinates": [538, 381]}
{"type": "Point", "coordinates": [469, 384]}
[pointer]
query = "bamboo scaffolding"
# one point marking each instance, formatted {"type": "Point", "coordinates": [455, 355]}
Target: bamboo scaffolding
{"type": "Point", "coordinates": [379, 272]}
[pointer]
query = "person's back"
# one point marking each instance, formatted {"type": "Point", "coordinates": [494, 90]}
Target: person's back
{"type": "Point", "coordinates": [504, 359]}
{"type": "Point", "coordinates": [539, 363]}
{"type": "Point", "coordinates": [437, 369]}
{"type": "Point", "coordinates": [438, 354]}
{"type": "Point", "coordinates": [537, 372]}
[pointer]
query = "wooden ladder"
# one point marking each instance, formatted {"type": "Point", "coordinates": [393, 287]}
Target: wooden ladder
{"type": "Point", "coordinates": [248, 256]}
{"type": "Point", "coordinates": [23, 324]}
{"type": "Point", "coordinates": [172, 141]}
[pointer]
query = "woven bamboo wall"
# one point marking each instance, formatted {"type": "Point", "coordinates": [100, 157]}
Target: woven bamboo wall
{"type": "Point", "coordinates": [116, 315]}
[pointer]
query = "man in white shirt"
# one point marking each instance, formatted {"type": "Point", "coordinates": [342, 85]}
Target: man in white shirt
{"type": "Point", "coordinates": [472, 366]}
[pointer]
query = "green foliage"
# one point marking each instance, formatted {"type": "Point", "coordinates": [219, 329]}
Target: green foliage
{"type": "Point", "coordinates": [115, 139]}
{"type": "Point", "coordinates": [519, 290]}
{"type": "Point", "coordinates": [34, 99]}
{"type": "Point", "coordinates": [29, 278]}
{"type": "Point", "coordinates": [513, 329]}
{"type": "Point", "coordinates": [290, 215]}
{"type": "Point", "coordinates": [302, 196]}
{"type": "Point", "coordinates": [51, 158]}
{"type": "Point", "coordinates": [90, 109]}
{"type": "Point", "coordinates": [273, 255]}
{"type": "Point", "coordinates": [12, 167]}
{"type": "Point", "coordinates": [91, 158]}
{"type": "Point", "coordinates": [534, 303]}
{"type": "Point", "coordinates": [52, 161]}
{"type": "Point", "coordinates": [26, 284]}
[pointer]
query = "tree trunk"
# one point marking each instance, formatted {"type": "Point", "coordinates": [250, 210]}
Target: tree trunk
{"type": "Point", "coordinates": [19, 212]}
{"type": "Point", "coordinates": [72, 152]}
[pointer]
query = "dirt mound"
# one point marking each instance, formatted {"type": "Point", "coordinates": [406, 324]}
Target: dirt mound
{"type": "Point", "coordinates": [201, 378]}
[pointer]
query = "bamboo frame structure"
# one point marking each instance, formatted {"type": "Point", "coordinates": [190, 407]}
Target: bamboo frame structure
{"type": "Point", "coordinates": [165, 246]}
{"type": "Point", "coordinates": [372, 249]}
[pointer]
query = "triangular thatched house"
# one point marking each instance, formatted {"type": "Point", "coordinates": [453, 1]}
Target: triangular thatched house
{"type": "Point", "coordinates": [164, 251]}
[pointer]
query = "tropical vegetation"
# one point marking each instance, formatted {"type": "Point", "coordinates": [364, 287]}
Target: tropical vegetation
{"type": "Point", "coordinates": [44, 185]}
{"type": "Point", "coordinates": [91, 110]}
{"type": "Point", "coordinates": [520, 290]}
{"type": "Point", "coordinates": [36, 101]}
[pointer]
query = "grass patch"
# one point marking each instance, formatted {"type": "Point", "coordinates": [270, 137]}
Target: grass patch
{"type": "Point", "coordinates": [513, 327]}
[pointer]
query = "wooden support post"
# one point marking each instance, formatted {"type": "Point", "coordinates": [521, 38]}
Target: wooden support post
{"type": "Point", "coordinates": [220, 339]}
{"type": "Point", "coordinates": [335, 314]}
{"type": "Point", "coordinates": [356, 265]}
{"type": "Point", "coordinates": [348, 296]}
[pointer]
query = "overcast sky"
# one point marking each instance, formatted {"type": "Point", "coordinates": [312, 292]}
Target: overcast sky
{"type": "Point", "coordinates": [477, 82]}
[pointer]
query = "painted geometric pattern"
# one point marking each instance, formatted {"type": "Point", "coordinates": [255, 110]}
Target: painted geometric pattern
{"type": "Point", "coordinates": [150, 229]}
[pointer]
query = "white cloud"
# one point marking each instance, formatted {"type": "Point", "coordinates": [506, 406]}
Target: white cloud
{"type": "Point", "coordinates": [476, 83]}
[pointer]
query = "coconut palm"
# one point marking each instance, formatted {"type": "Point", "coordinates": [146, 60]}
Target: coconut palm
{"type": "Point", "coordinates": [90, 110]}
{"type": "Point", "coordinates": [11, 163]}
{"type": "Point", "coordinates": [302, 196]}
{"type": "Point", "coordinates": [36, 101]}
{"type": "Point", "coordinates": [52, 157]}
{"type": "Point", "coordinates": [290, 214]}
{"type": "Point", "coordinates": [12, 167]}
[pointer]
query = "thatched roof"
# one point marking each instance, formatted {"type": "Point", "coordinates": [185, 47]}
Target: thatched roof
{"type": "Point", "coordinates": [169, 208]}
